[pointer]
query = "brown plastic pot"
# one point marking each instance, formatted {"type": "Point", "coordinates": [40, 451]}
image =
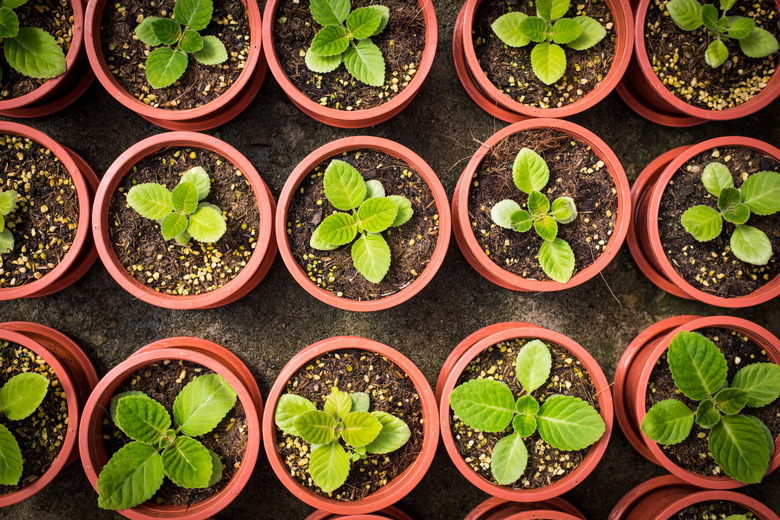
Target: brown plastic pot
{"type": "Point", "coordinates": [398, 151]}
{"type": "Point", "coordinates": [487, 337]}
{"type": "Point", "coordinates": [353, 118]}
{"type": "Point", "coordinates": [646, 226]}
{"type": "Point", "coordinates": [661, 498]}
{"type": "Point", "coordinates": [213, 114]}
{"type": "Point", "coordinates": [499, 509]}
{"type": "Point", "coordinates": [471, 249]}
{"type": "Point", "coordinates": [250, 275]}
{"type": "Point", "coordinates": [77, 377]}
{"type": "Point", "coordinates": [633, 374]}
{"type": "Point", "coordinates": [498, 104]}
{"type": "Point", "coordinates": [195, 350]}
{"type": "Point", "coordinates": [388, 513]}
{"type": "Point", "coordinates": [397, 488]}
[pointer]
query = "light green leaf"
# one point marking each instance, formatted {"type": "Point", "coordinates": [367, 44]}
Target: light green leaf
{"type": "Point", "coordinates": [738, 446]}
{"type": "Point", "coordinates": [212, 53]}
{"type": "Point", "coordinates": [741, 27]}
{"type": "Point", "coordinates": [195, 14]}
{"type": "Point", "coordinates": [405, 211]}
{"type": "Point", "coordinates": [332, 40]}
{"type": "Point", "coordinates": [725, 5]}
{"type": "Point", "coordinates": [569, 423]}
{"type": "Point", "coordinates": [552, 9]}
{"type": "Point", "coordinates": [751, 245]}
{"type": "Point", "coordinates": [22, 395]}
{"type": "Point", "coordinates": [706, 414]}
{"type": "Point", "coordinates": [166, 30]}
{"type": "Point", "coordinates": [142, 418]}
{"type": "Point", "coordinates": [191, 41]}
{"type": "Point", "coordinates": [329, 12]}
{"type": "Point", "coordinates": [187, 463]}
{"type": "Point", "coordinates": [115, 402]}
{"type": "Point", "coordinates": [183, 239]}
{"type": "Point", "coordinates": [547, 228]}
{"type": "Point", "coordinates": [374, 188]}
{"type": "Point", "coordinates": [729, 197]}
{"type": "Point", "coordinates": [533, 365]}
{"type": "Point", "coordinates": [13, 4]}
{"type": "Point", "coordinates": [716, 53]}
{"type": "Point", "coordinates": [329, 466]}
{"type": "Point", "coordinates": [2, 223]}
{"type": "Point", "coordinates": [202, 404]}
{"type": "Point", "coordinates": [566, 30]}
{"type": "Point", "coordinates": [529, 171]}
{"type": "Point", "coordinates": [200, 179]}
{"type": "Point", "coordinates": [393, 435]}
{"type": "Point", "coordinates": [9, 23]}
{"type": "Point", "coordinates": [524, 425]}
{"type": "Point", "coordinates": [184, 197]}
{"type": "Point", "coordinates": [366, 63]}
{"type": "Point", "coordinates": [697, 366]}
{"type": "Point", "coordinates": [509, 459]}
{"type": "Point", "coordinates": [363, 22]}
{"type": "Point", "coordinates": [557, 259]}
{"type": "Point", "coordinates": [360, 428]}
{"type": "Point", "coordinates": [316, 427]}
{"type": "Point", "coordinates": [703, 222]}
{"type": "Point", "coordinates": [538, 204]}
{"type": "Point", "coordinates": [385, 13]}
{"type": "Point", "coordinates": [317, 242]}
{"type": "Point", "coordinates": [757, 44]}
{"type": "Point", "coordinates": [7, 201]}
{"type": "Point", "coordinates": [564, 210]}
{"type": "Point", "coordinates": [723, 23]}
{"type": "Point", "coordinates": [592, 33]}
{"type": "Point", "coordinates": [521, 221]}
{"type": "Point", "coordinates": [668, 422]}
{"type": "Point", "coordinates": [131, 477]}
{"type": "Point", "coordinates": [371, 257]}
{"type": "Point", "coordinates": [761, 192]}
{"type": "Point", "coordinates": [738, 214]}
{"type": "Point", "coordinates": [533, 28]}
{"type": "Point", "coordinates": [731, 400]}
{"type": "Point", "coordinates": [507, 28]}
{"type": "Point", "coordinates": [337, 229]}
{"type": "Point", "coordinates": [483, 404]}
{"type": "Point", "coordinates": [709, 16]}
{"type": "Point", "coordinates": [145, 32]}
{"type": "Point", "coordinates": [526, 404]}
{"type": "Point", "coordinates": [360, 402]}
{"type": "Point", "coordinates": [761, 381]}
{"type": "Point", "coordinates": [322, 64]}
{"type": "Point", "coordinates": [500, 213]}
{"type": "Point", "coordinates": [216, 469]}
{"type": "Point", "coordinates": [207, 224]}
{"type": "Point", "coordinates": [338, 403]}
{"type": "Point", "coordinates": [35, 53]}
{"type": "Point", "coordinates": [164, 66]}
{"type": "Point", "coordinates": [377, 214]}
{"type": "Point", "coordinates": [288, 408]}
{"type": "Point", "coordinates": [685, 13]}
{"type": "Point", "coordinates": [345, 188]}
{"type": "Point", "coordinates": [548, 62]}
{"type": "Point", "coordinates": [10, 458]}
{"type": "Point", "coordinates": [716, 177]}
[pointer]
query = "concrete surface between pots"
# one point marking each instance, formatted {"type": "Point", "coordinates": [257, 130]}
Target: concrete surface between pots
{"type": "Point", "coordinates": [276, 320]}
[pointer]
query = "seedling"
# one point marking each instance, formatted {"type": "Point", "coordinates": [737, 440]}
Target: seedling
{"type": "Point", "coordinates": [346, 36]}
{"type": "Point", "coordinates": [564, 422]}
{"type": "Point", "coordinates": [372, 213]}
{"type": "Point", "coordinates": [19, 398]}
{"type": "Point", "coordinates": [530, 174]}
{"type": "Point", "coordinates": [740, 444]}
{"type": "Point", "coordinates": [759, 194]}
{"type": "Point", "coordinates": [136, 471]}
{"type": "Point", "coordinates": [30, 51]}
{"type": "Point", "coordinates": [180, 213]}
{"type": "Point", "coordinates": [175, 39]}
{"type": "Point", "coordinates": [550, 30]}
{"type": "Point", "coordinates": [755, 42]}
{"type": "Point", "coordinates": [7, 206]}
{"type": "Point", "coordinates": [345, 417]}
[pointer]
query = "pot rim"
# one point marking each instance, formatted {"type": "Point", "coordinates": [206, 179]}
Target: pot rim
{"type": "Point", "coordinates": [631, 498]}
{"type": "Point", "coordinates": [707, 494]}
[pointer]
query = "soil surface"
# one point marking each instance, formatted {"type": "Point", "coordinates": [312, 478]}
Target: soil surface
{"type": "Point", "coordinates": [714, 510]}
{"type": "Point", "coordinates": [710, 266]}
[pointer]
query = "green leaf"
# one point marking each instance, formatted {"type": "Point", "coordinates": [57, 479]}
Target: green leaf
{"type": "Point", "coordinates": [371, 257]}
{"type": "Point", "coordinates": [527, 404]}
{"type": "Point", "coordinates": [725, 5]}
{"type": "Point", "coordinates": [7, 202]}
{"type": "Point", "coordinates": [709, 17]}
{"type": "Point", "coordinates": [706, 414]}
{"type": "Point", "coordinates": [557, 259]}
{"type": "Point", "coordinates": [533, 365]}
{"type": "Point", "coordinates": [697, 366]}
{"type": "Point", "coordinates": [142, 418]}
{"type": "Point", "coordinates": [738, 214]}
{"type": "Point", "coordinates": [731, 400]}
{"type": "Point", "coordinates": [10, 458]}
{"type": "Point", "coordinates": [183, 239]}
{"type": "Point", "coordinates": [483, 404]}
{"type": "Point", "coordinates": [366, 63]}
{"type": "Point", "coordinates": [552, 9]}
{"type": "Point", "coordinates": [685, 13]}
{"type": "Point", "coordinates": [164, 66]}
{"type": "Point", "coordinates": [716, 177]}
{"type": "Point", "coordinates": [761, 381]}
{"type": "Point", "coordinates": [2, 223]}
{"type": "Point", "coordinates": [207, 224]}
{"type": "Point", "coordinates": [751, 245]}
{"type": "Point", "coordinates": [592, 33]}
{"type": "Point", "coordinates": [9, 23]}
{"type": "Point", "coordinates": [115, 402]}
{"type": "Point", "coordinates": [548, 62]}
{"type": "Point", "coordinates": [166, 30]}
{"type": "Point", "coordinates": [329, 12]}
{"type": "Point", "coordinates": [770, 441]}
{"type": "Point", "coordinates": [668, 422]}
{"type": "Point", "coordinates": [202, 404]}
{"type": "Point", "coordinates": [212, 53]}
{"type": "Point", "coordinates": [187, 463]}
{"type": "Point", "coordinates": [761, 192]}
{"type": "Point", "coordinates": [185, 197]}
{"type": "Point", "coordinates": [195, 14]}
{"type": "Point", "coordinates": [316, 427]}
{"type": "Point", "coordinates": [501, 213]}
{"type": "Point", "coordinates": [131, 477]}
{"type": "Point", "coordinates": [703, 222]}
{"type": "Point", "coordinates": [13, 4]}
{"type": "Point", "coordinates": [729, 197]}
{"type": "Point", "coordinates": [338, 403]}
{"type": "Point", "coordinates": [723, 23]}
{"type": "Point", "coordinates": [288, 408]}
{"type": "Point", "coordinates": [377, 214]}
{"type": "Point", "coordinates": [216, 469]}
{"type": "Point", "coordinates": [509, 459]}
{"type": "Point", "coordinates": [332, 40]}
{"type": "Point", "coordinates": [524, 425]}
{"type": "Point", "coordinates": [167, 439]}
{"type": "Point", "coordinates": [22, 395]}
{"type": "Point", "coordinates": [569, 423]}
{"type": "Point", "coordinates": [360, 401]}
{"type": "Point", "coordinates": [345, 188]}
{"type": "Point", "coordinates": [757, 44]}
{"type": "Point", "coordinates": [35, 53]}
{"type": "Point", "coordinates": [507, 28]}
{"type": "Point", "coordinates": [360, 428]}
{"type": "Point", "coordinates": [329, 466]}
{"type": "Point", "coordinates": [529, 171]}
{"type": "Point", "coordinates": [393, 435]}
{"type": "Point", "coordinates": [191, 41]}
{"type": "Point", "coordinates": [566, 30]}
{"type": "Point", "coordinates": [533, 28]}
{"type": "Point", "coordinates": [741, 28]}
{"type": "Point", "coordinates": [337, 229]}
{"type": "Point", "coordinates": [374, 188]}
{"type": "Point", "coordinates": [547, 228]}
{"type": "Point", "coordinates": [200, 179]}
{"type": "Point", "coordinates": [363, 22]}
{"type": "Point", "coordinates": [738, 446]}
{"type": "Point", "coordinates": [145, 32]}
{"type": "Point", "coordinates": [564, 210]}
{"type": "Point", "coordinates": [385, 13]}
{"type": "Point", "coordinates": [317, 242]}
{"type": "Point", "coordinates": [405, 211]}
{"type": "Point", "coordinates": [322, 64]}
{"type": "Point", "coordinates": [538, 204]}
{"type": "Point", "coordinates": [521, 221]}
{"type": "Point", "coordinates": [716, 53]}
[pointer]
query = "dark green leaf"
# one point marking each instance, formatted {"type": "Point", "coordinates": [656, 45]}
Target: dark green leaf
{"type": "Point", "coordinates": [195, 14]}
{"type": "Point", "coordinates": [288, 408]}
{"type": "Point", "coordinates": [212, 53]}
{"type": "Point", "coordinates": [739, 447]}
{"type": "Point", "coordinates": [10, 458]}
{"type": "Point", "coordinates": [35, 53]}
{"type": "Point", "coordinates": [329, 466]}
{"type": "Point", "coordinates": [216, 469]}
{"type": "Point", "coordinates": [344, 186]}
{"type": "Point", "coordinates": [738, 214]}
{"type": "Point", "coordinates": [709, 17]}
{"type": "Point", "coordinates": [685, 13]}
{"type": "Point", "coordinates": [202, 404]}
{"type": "Point", "coordinates": [316, 427]}
{"type": "Point", "coordinates": [509, 459]}
{"type": "Point", "coordinates": [9, 23]}
{"type": "Point", "coordinates": [394, 434]}
{"type": "Point", "coordinates": [548, 62]}
{"type": "Point", "coordinates": [142, 418]}
{"type": "Point", "coordinates": [557, 260]}
{"type": "Point", "coordinates": [22, 395]}
{"type": "Point", "coordinates": [131, 477]}
{"type": "Point", "coordinates": [187, 463]}
{"type": "Point", "coordinates": [483, 404]}
{"type": "Point", "coordinates": [592, 33]}
{"type": "Point", "coordinates": [507, 28]}
{"type": "Point", "coordinates": [728, 198]}
{"type": "Point", "coordinates": [716, 177]}
{"type": "Point", "coordinates": [521, 220]}
{"type": "Point", "coordinates": [145, 32]}
{"type": "Point", "coordinates": [191, 41]}
{"type": "Point", "coordinates": [770, 441]}
{"type": "Point", "coordinates": [332, 40]}
{"type": "Point", "coordinates": [363, 22]}
{"type": "Point", "coordinates": [166, 30]}
{"type": "Point", "coordinates": [569, 423]}
{"type": "Point", "coordinates": [761, 192]}
{"type": "Point", "coordinates": [338, 229]}
{"type": "Point", "coordinates": [371, 257]}
{"type": "Point", "coordinates": [697, 366]}
{"type": "Point", "coordinates": [751, 245]}
{"type": "Point", "coordinates": [164, 66]}
{"type": "Point", "coordinates": [530, 171]}
{"type": "Point", "coordinates": [533, 364]}
{"type": "Point", "coordinates": [366, 63]}
{"type": "Point", "coordinates": [731, 400]}
{"type": "Point", "coordinates": [757, 44]}
{"type": "Point", "coordinates": [329, 12]}
{"type": "Point", "coordinates": [703, 222]}
{"type": "Point", "coordinates": [668, 422]}
{"type": "Point", "coordinates": [377, 214]}
{"type": "Point", "coordinates": [761, 381]}
{"type": "Point", "coordinates": [706, 414]}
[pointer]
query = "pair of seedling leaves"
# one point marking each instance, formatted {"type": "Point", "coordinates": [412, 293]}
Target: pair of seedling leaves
{"type": "Point", "coordinates": [7, 206]}
{"type": "Point", "coordinates": [530, 174]}
{"type": "Point", "coordinates": [30, 51]}
{"type": "Point", "coordinates": [564, 422]}
{"type": "Point", "coordinates": [136, 471]}
{"type": "Point", "coordinates": [175, 39]}
{"type": "Point", "coordinates": [372, 213]}
{"type": "Point", "coordinates": [740, 444]}
{"type": "Point", "coordinates": [759, 194]}
{"type": "Point", "coordinates": [345, 417]}
{"type": "Point", "coordinates": [755, 42]}
{"type": "Point", "coordinates": [19, 398]}
{"type": "Point", "coordinates": [346, 36]}
{"type": "Point", "coordinates": [550, 30]}
{"type": "Point", "coordinates": [180, 213]}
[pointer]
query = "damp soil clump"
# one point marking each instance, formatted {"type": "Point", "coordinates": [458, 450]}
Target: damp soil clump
{"type": "Point", "coordinates": [575, 171]}
{"type": "Point", "coordinates": [711, 266]}
{"type": "Point", "coordinates": [712, 510]}
{"type": "Point", "coordinates": [167, 266]}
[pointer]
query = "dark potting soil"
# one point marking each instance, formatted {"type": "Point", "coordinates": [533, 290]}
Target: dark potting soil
{"type": "Point", "coordinates": [509, 68]}
{"type": "Point", "coordinates": [575, 171]}
{"type": "Point", "coordinates": [693, 453]}
{"type": "Point", "coordinates": [546, 464]}
{"type": "Point", "coordinates": [677, 57]}
{"type": "Point", "coordinates": [200, 84]}
{"type": "Point", "coordinates": [389, 389]}
{"type": "Point", "coordinates": [411, 244]}
{"type": "Point", "coordinates": [166, 266]}
{"type": "Point", "coordinates": [402, 43]}
{"type": "Point", "coordinates": [40, 435]}
{"type": "Point", "coordinates": [53, 16]}
{"type": "Point", "coordinates": [162, 382]}
{"type": "Point", "coordinates": [710, 266]}
{"type": "Point", "coordinates": [46, 217]}
{"type": "Point", "coordinates": [712, 510]}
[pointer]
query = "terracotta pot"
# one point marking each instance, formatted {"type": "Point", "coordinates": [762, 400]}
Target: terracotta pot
{"type": "Point", "coordinates": [398, 151]}
{"type": "Point", "coordinates": [498, 104]}
{"type": "Point", "coordinates": [388, 513]}
{"type": "Point", "coordinates": [487, 337]}
{"type": "Point", "coordinates": [213, 114]}
{"type": "Point", "coordinates": [499, 509]}
{"type": "Point", "coordinates": [644, 92]}
{"type": "Point", "coordinates": [77, 377]}
{"type": "Point", "coordinates": [660, 498]}
{"type": "Point", "coordinates": [633, 373]}
{"type": "Point", "coordinates": [649, 194]}
{"type": "Point", "coordinates": [195, 350]}
{"type": "Point", "coordinates": [471, 249]}
{"type": "Point", "coordinates": [354, 118]}
{"type": "Point", "coordinates": [250, 275]}
{"type": "Point", "coordinates": [397, 488]}
{"type": "Point", "coordinates": [78, 258]}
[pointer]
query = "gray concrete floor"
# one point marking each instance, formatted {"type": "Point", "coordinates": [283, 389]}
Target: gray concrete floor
{"type": "Point", "coordinates": [278, 318]}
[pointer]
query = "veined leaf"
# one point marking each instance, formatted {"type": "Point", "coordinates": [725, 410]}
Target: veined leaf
{"type": "Point", "coordinates": [374, 188]}
{"type": "Point", "coordinates": [322, 64]}
{"type": "Point", "coordinates": [716, 53]}
{"type": "Point", "coordinates": [751, 245]}
{"type": "Point", "coordinates": [173, 224]}
{"type": "Point", "coordinates": [500, 213]}
{"type": "Point", "coordinates": [393, 435]}
{"type": "Point", "coordinates": [317, 242]}
{"type": "Point", "coordinates": [557, 259]}
{"type": "Point", "coordinates": [202, 404]}
{"type": "Point", "coordinates": [538, 204]}
{"type": "Point", "coordinates": [377, 214]}
{"type": "Point", "coordinates": [330, 41]}
{"type": "Point", "coordinates": [7, 201]}
{"type": "Point", "coordinates": [592, 33]}
{"type": "Point", "coordinates": [344, 186]}
{"type": "Point", "coordinates": [288, 408]}
{"type": "Point", "coordinates": [709, 16]}
{"type": "Point", "coordinates": [526, 404]}
{"type": "Point", "coordinates": [164, 66]}
{"type": "Point", "coordinates": [761, 192]}
{"type": "Point", "coordinates": [757, 44]}
{"type": "Point", "coordinates": [685, 13]}
{"type": "Point", "coordinates": [115, 402]}
{"type": "Point", "coordinates": [716, 177]}
{"type": "Point", "coordinates": [533, 28]}
{"type": "Point", "coordinates": [384, 11]}
{"type": "Point", "coordinates": [533, 365]}
{"type": "Point", "coordinates": [329, 466]}
{"type": "Point", "coordinates": [728, 198]}
{"type": "Point", "coordinates": [770, 441]}
{"type": "Point", "coordinates": [569, 423]}
{"type": "Point", "coordinates": [524, 425]}
{"type": "Point", "coordinates": [738, 446]}
{"type": "Point", "coordinates": [564, 210]}
{"type": "Point", "coordinates": [741, 28]}
{"type": "Point", "coordinates": [188, 463]}
{"type": "Point", "coordinates": [363, 22]}
{"type": "Point", "coordinates": [548, 62]}
{"type": "Point", "coordinates": [166, 30]}
{"type": "Point", "coordinates": [731, 400]}
{"type": "Point", "coordinates": [566, 30]}
{"type": "Point", "coordinates": [207, 224]}
{"type": "Point", "coordinates": [738, 214]}
{"type": "Point", "coordinates": [371, 257]}
{"type": "Point", "coordinates": [509, 459]}
{"type": "Point", "coordinates": [761, 381]}
{"type": "Point", "coordinates": [200, 179]}
{"type": "Point", "coordinates": [191, 41]}
{"type": "Point", "coordinates": [360, 428]}
{"type": "Point", "coordinates": [521, 221]}
{"type": "Point", "coordinates": [668, 422]}
{"type": "Point", "coordinates": [697, 366]}
{"type": "Point", "coordinates": [706, 414]}
{"type": "Point", "coordinates": [507, 28]}
{"type": "Point", "coordinates": [703, 222]}
{"type": "Point", "coordinates": [360, 401]}
{"type": "Point", "coordinates": [184, 197]}
{"type": "Point", "coordinates": [195, 14]}
{"type": "Point", "coordinates": [547, 228]}
{"type": "Point", "coordinates": [142, 418]}
{"type": "Point", "coordinates": [22, 395]}
{"type": "Point", "coordinates": [329, 12]}
{"type": "Point", "coordinates": [530, 171]}
{"type": "Point", "coordinates": [366, 63]}
{"type": "Point", "coordinates": [405, 211]}
{"type": "Point", "coordinates": [552, 9]}
{"type": "Point", "coordinates": [35, 53]}
{"type": "Point", "coordinates": [145, 32]}
{"type": "Point", "coordinates": [131, 477]}
{"type": "Point", "coordinates": [213, 51]}
{"type": "Point", "coordinates": [216, 469]}
{"type": "Point", "coordinates": [338, 403]}
{"type": "Point", "coordinates": [316, 427]}
{"type": "Point", "coordinates": [10, 458]}
{"type": "Point", "coordinates": [9, 23]}
{"type": "Point", "coordinates": [337, 229]}
{"type": "Point", "coordinates": [483, 404]}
